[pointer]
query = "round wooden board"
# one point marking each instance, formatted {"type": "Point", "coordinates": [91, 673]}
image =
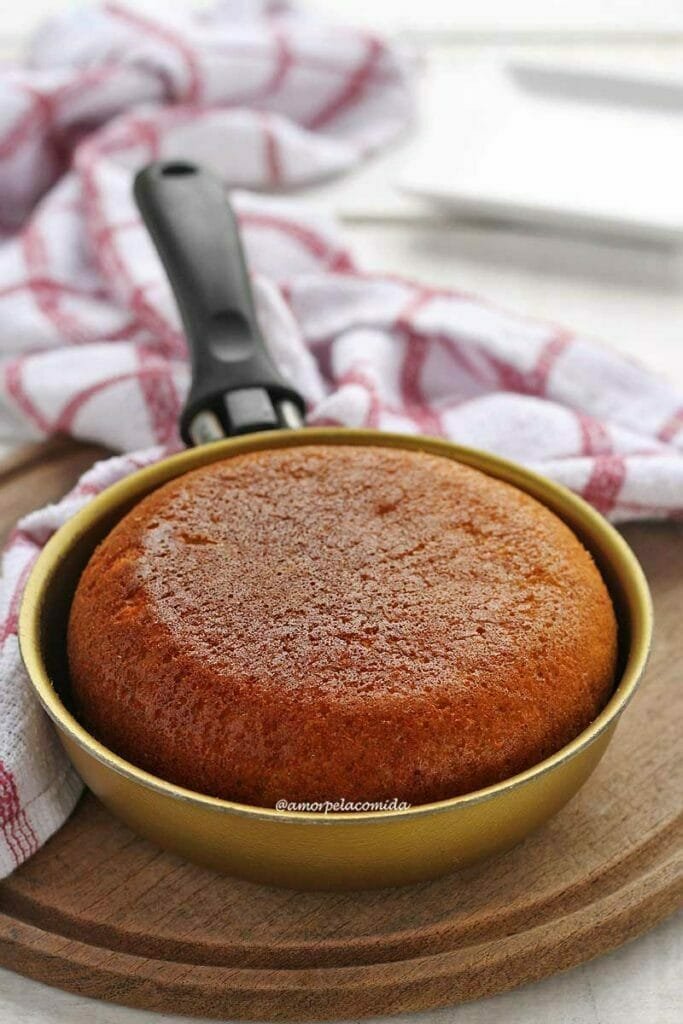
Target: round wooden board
{"type": "Point", "coordinates": [100, 912]}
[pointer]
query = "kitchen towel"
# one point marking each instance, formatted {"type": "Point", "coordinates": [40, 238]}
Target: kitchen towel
{"type": "Point", "coordinates": [90, 342]}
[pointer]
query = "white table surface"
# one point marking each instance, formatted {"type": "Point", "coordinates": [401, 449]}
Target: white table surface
{"type": "Point", "coordinates": [628, 295]}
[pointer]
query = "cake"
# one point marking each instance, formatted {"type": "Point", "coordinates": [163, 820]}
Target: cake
{"type": "Point", "coordinates": [339, 622]}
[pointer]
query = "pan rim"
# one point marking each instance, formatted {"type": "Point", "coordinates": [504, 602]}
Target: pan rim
{"type": "Point", "coordinates": [560, 500]}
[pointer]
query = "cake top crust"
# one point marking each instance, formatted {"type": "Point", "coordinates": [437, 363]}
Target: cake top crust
{"type": "Point", "coordinates": [307, 602]}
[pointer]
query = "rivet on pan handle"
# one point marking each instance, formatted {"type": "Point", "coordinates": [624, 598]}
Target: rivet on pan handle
{"type": "Point", "coordinates": [235, 388]}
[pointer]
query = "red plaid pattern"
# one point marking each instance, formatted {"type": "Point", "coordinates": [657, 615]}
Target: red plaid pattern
{"type": "Point", "coordinates": [89, 335]}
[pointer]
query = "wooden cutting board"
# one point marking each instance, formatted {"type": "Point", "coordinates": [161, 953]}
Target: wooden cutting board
{"type": "Point", "coordinates": [100, 912]}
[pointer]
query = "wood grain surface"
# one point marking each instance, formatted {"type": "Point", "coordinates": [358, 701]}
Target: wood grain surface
{"type": "Point", "coordinates": [100, 912]}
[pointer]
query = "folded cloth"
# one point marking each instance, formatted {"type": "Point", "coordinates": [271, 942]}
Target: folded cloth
{"type": "Point", "coordinates": [90, 340]}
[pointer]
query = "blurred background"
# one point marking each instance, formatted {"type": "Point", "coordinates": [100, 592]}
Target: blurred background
{"type": "Point", "coordinates": [550, 134]}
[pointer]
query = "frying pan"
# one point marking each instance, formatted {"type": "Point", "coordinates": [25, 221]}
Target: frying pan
{"type": "Point", "coordinates": [238, 403]}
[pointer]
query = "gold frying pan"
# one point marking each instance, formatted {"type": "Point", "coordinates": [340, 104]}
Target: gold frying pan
{"type": "Point", "coordinates": [237, 391]}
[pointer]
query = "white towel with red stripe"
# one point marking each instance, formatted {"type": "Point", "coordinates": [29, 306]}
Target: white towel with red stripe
{"type": "Point", "coordinates": [90, 342]}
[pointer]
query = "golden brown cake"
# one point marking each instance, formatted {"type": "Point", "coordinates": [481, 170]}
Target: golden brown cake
{"type": "Point", "coordinates": [339, 622]}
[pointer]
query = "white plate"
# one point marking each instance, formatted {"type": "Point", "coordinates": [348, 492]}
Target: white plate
{"type": "Point", "coordinates": [567, 147]}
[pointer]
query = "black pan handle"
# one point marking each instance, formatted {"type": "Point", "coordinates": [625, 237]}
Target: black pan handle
{"type": "Point", "coordinates": [235, 387]}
